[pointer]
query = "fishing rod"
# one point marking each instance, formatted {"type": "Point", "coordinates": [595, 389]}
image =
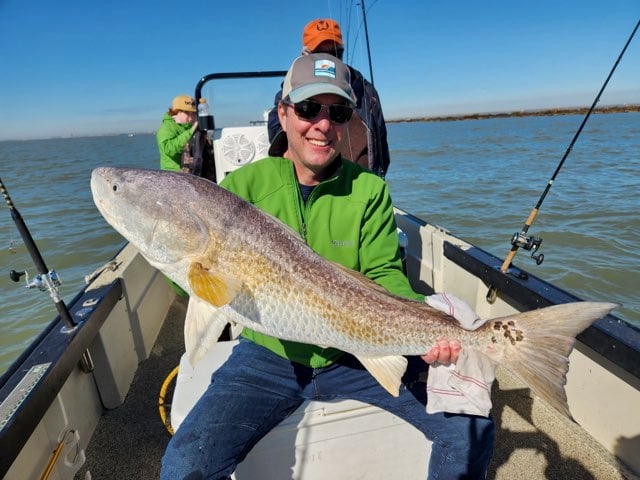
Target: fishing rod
{"type": "Point", "coordinates": [47, 279]}
{"type": "Point", "coordinates": [366, 36]}
{"type": "Point", "coordinates": [377, 137]}
{"type": "Point", "coordinates": [529, 243]}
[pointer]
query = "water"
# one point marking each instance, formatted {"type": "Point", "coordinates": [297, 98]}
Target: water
{"type": "Point", "coordinates": [48, 181]}
{"type": "Point", "coordinates": [478, 178]}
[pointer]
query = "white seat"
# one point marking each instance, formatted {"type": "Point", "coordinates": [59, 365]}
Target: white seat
{"type": "Point", "coordinates": [320, 440]}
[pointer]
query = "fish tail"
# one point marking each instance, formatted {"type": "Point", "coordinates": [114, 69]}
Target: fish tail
{"type": "Point", "coordinates": [538, 344]}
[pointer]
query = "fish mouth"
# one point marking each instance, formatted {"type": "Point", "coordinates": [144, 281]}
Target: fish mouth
{"type": "Point", "coordinates": [133, 205]}
{"type": "Point", "coordinates": [100, 190]}
{"type": "Point", "coordinates": [105, 185]}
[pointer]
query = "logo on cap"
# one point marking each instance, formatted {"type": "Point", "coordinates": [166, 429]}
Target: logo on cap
{"type": "Point", "coordinates": [322, 25]}
{"type": "Point", "coordinates": [324, 68]}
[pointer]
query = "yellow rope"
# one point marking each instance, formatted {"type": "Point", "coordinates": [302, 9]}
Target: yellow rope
{"type": "Point", "coordinates": [52, 462]}
{"type": "Point", "coordinates": [54, 458]}
{"type": "Point", "coordinates": [161, 400]}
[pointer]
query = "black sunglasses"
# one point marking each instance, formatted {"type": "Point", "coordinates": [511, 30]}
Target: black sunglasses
{"type": "Point", "coordinates": [310, 109]}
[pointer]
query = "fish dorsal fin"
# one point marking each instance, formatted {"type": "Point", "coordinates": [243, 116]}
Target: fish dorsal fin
{"type": "Point", "coordinates": [361, 278]}
{"type": "Point", "coordinates": [388, 371]}
{"type": "Point", "coordinates": [217, 289]}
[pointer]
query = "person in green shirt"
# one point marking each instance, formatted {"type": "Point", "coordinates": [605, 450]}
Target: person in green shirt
{"type": "Point", "coordinates": [178, 126]}
{"type": "Point", "coordinates": [343, 212]}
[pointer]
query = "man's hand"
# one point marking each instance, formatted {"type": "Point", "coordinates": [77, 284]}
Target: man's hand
{"type": "Point", "coordinates": [448, 349]}
{"type": "Point", "coordinates": [445, 352]}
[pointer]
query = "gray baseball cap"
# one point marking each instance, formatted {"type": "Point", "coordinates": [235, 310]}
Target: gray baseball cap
{"type": "Point", "coordinates": [315, 74]}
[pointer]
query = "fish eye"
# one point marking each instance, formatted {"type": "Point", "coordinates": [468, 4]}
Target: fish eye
{"type": "Point", "coordinates": [115, 187]}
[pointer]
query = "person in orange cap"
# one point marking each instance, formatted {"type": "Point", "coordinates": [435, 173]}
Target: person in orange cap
{"type": "Point", "coordinates": [367, 130]}
{"type": "Point", "coordinates": [322, 36]}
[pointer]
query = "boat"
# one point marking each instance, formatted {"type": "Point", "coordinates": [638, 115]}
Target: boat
{"type": "Point", "coordinates": [100, 391]}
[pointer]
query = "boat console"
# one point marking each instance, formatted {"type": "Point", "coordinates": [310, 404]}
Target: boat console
{"type": "Point", "coordinates": [234, 147]}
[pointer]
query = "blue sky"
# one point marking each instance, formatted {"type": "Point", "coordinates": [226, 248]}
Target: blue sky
{"type": "Point", "coordinates": [76, 68]}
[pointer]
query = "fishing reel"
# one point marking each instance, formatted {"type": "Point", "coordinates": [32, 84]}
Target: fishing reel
{"type": "Point", "coordinates": [42, 282]}
{"type": "Point", "coordinates": [529, 243]}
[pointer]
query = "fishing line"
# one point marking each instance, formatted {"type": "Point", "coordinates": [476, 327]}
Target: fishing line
{"type": "Point", "coordinates": [362, 23]}
{"type": "Point", "coordinates": [530, 243]}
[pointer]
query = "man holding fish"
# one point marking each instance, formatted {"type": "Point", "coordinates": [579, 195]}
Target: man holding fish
{"type": "Point", "coordinates": [302, 252]}
{"type": "Point", "coordinates": [345, 214]}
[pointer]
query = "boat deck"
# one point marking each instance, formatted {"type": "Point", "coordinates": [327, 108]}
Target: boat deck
{"type": "Point", "coordinates": [140, 437]}
{"type": "Point", "coordinates": [533, 441]}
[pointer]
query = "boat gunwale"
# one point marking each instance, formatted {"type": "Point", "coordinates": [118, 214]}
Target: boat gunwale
{"type": "Point", "coordinates": [611, 337]}
{"type": "Point", "coordinates": [63, 351]}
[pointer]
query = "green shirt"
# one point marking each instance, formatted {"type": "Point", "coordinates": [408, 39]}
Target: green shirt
{"type": "Point", "coordinates": [347, 219]}
{"type": "Point", "coordinates": [171, 138]}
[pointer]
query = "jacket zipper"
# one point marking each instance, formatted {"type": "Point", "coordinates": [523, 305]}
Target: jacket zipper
{"type": "Point", "coordinates": [305, 209]}
{"type": "Point", "coordinates": [301, 207]}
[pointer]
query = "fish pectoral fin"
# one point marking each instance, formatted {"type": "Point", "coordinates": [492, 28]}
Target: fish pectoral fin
{"type": "Point", "coordinates": [388, 371]}
{"type": "Point", "coordinates": [217, 289]}
{"type": "Point", "coordinates": [203, 326]}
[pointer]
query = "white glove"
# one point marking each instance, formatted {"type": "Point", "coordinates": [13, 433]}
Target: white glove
{"type": "Point", "coordinates": [460, 310]}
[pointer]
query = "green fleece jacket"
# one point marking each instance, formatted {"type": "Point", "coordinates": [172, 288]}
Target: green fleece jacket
{"type": "Point", "coordinates": [171, 138]}
{"type": "Point", "coordinates": [347, 219]}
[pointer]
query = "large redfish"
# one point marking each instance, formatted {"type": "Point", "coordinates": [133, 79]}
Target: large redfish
{"type": "Point", "coordinates": [243, 266]}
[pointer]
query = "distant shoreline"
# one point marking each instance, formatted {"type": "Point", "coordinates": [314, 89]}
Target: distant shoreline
{"type": "Point", "coordinates": [520, 113]}
{"type": "Point", "coordinates": [438, 118]}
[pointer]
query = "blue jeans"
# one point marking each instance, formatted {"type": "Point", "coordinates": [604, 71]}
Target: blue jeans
{"type": "Point", "coordinates": [256, 389]}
